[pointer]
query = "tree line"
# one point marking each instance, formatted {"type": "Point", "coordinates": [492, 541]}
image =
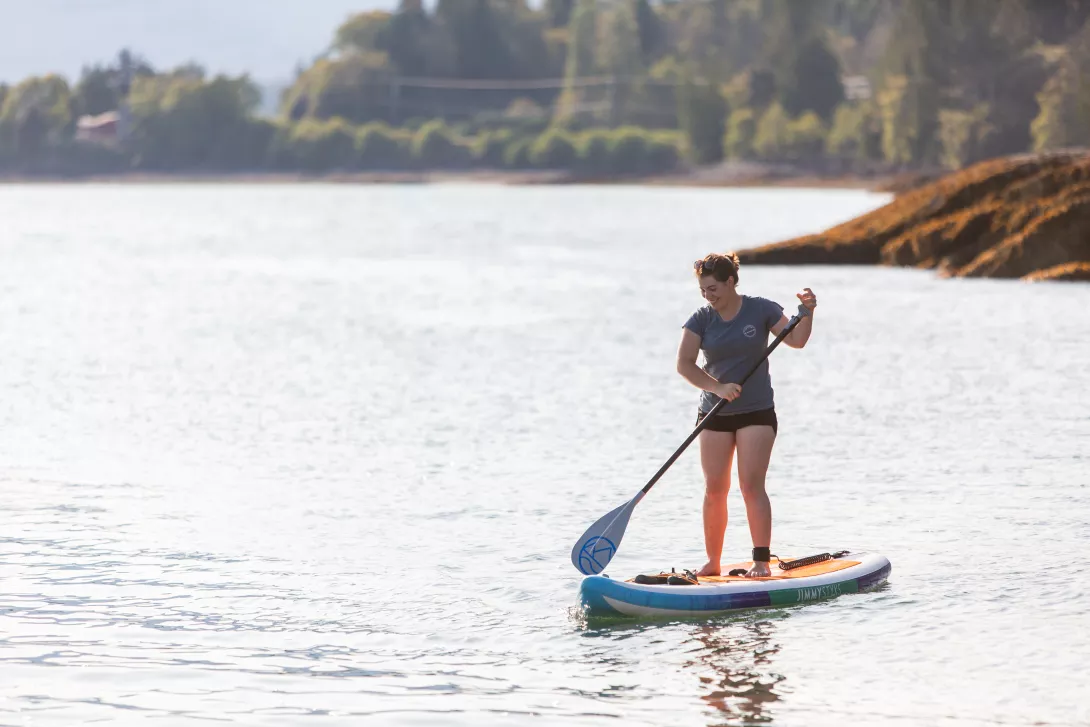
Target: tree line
{"type": "Point", "coordinates": [600, 87]}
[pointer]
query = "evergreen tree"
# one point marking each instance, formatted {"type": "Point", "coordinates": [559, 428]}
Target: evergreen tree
{"type": "Point", "coordinates": [619, 55]}
{"type": "Point", "coordinates": [915, 74]}
{"type": "Point", "coordinates": [478, 47]}
{"type": "Point", "coordinates": [814, 82]}
{"type": "Point", "coordinates": [702, 112]}
{"type": "Point", "coordinates": [650, 29]}
{"type": "Point", "coordinates": [559, 12]}
{"type": "Point", "coordinates": [409, 38]}
{"type": "Point", "coordinates": [1064, 118]}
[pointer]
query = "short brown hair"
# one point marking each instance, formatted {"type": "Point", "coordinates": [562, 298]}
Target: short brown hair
{"type": "Point", "coordinates": [720, 267]}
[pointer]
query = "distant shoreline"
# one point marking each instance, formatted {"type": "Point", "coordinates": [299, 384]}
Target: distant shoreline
{"type": "Point", "coordinates": [726, 175]}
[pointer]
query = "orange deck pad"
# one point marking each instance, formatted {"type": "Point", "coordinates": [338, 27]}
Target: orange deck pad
{"type": "Point", "coordinates": [817, 569]}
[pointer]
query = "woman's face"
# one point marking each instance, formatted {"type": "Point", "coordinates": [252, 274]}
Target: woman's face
{"type": "Point", "coordinates": [714, 290]}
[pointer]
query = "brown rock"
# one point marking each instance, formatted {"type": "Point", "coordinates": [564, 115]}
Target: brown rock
{"type": "Point", "coordinates": [1009, 217]}
{"type": "Point", "coordinates": [1070, 271]}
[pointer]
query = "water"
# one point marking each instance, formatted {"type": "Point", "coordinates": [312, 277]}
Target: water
{"type": "Point", "coordinates": [318, 454]}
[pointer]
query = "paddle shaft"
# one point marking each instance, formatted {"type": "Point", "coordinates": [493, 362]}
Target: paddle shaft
{"type": "Point", "coordinates": [715, 409]}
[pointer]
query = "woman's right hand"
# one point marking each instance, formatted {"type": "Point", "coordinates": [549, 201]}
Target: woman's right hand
{"type": "Point", "coordinates": [730, 392]}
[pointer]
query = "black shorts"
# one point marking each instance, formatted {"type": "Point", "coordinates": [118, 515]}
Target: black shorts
{"type": "Point", "coordinates": [734, 422]}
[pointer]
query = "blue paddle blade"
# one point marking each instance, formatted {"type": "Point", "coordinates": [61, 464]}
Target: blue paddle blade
{"type": "Point", "coordinates": [596, 548]}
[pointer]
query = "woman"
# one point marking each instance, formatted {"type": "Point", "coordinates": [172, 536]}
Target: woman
{"type": "Point", "coordinates": [732, 332]}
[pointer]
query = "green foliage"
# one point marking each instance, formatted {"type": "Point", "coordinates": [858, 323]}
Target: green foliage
{"type": "Point", "coordinates": [78, 158]}
{"type": "Point", "coordinates": [663, 153]}
{"type": "Point", "coordinates": [582, 40]}
{"type": "Point", "coordinates": [856, 132]}
{"type": "Point", "coordinates": [762, 88]}
{"type": "Point", "coordinates": [963, 135]}
{"type": "Point", "coordinates": [35, 114]}
{"type": "Point", "coordinates": [805, 137]}
{"type": "Point", "coordinates": [476, 43]}
{"type": "Point", "coordinates": [1059, 123]}
{"type": "Point", "coordinates": [916, 72]}
{"type": "Point", "coordinates": [595, 152]}
{"type": "Point", "coordinates": [950, 81]}
{"type": "Point", "coordinates": [618, 49]}
{"type": "Point", "coordinates": [1064, 101]}
{"type": "Point", "coordinates": [629, 151]}
{"type": "Point", "coordinates": [554, 149]}
{"type": "Point", "coordinates": [702, 112]}
{"type": "Point", "coordinates": [244, 145]}
{"type": "Point", "coordinates": [900, 113]}
{"type": "Point", "coordinates": [319, 145]}
{"type": "Point", "coordinates": [741, 131]}
{"type": "Point", "coordinates": [377, 146]}
{"type": "Point", "coordinates": [702, 33]}
{"type": "Point", "coordinates": [516, 155]}
{"type": "Point", "coordinates": [522, 116]}
{"type": "Point", "coordinates": [364, 33]}
{"type": "Point", "coordinates": [97, 92]}
{"type": "Point", "coordinates": [559, 12]}
{"type": "Point", "coordinates": [736, 91]}
{"type": "Point", "coordinates": [101, 88]}
{"type": "Point", "coordinates": [70, 158]}
{"type": "Point", "coordinates": [814, 83]}
{"type": "Point", "coordinates": [435, 147]}
{"type": "Point", "coordinates": [412, 39]}
{"type": "Point", "coordinates": [652, 32]}
{"type": "Point", "coordinates": [489, 147]}
{"type": "Point", "coordinates": [182, 121]}
{"type": "Point", "coordinates": [773, 137]}
{"type": "Point", "coordinates": [620, 56]}
{"type": "Point", "coordinates": [485, 39]}
{"type": "Point", "coordinates": [356, 88]}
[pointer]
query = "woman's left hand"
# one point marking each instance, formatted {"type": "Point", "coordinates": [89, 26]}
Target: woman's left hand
{"type": "Point", "coordinates": [808, 299]}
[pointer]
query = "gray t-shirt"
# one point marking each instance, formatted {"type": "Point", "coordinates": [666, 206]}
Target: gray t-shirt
{"type": "Point", "coordinates": [731, 348]}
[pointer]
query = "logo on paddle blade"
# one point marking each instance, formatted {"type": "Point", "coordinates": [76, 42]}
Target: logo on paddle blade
{"type": "Point", "coordinates": [595, 554]}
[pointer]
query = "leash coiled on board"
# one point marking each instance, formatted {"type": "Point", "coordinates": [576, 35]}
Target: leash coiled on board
{"type": "Point", "coordinates": [811, 560]}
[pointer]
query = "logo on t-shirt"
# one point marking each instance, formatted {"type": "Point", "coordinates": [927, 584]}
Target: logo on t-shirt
{"type": "Point", "coordinates": [750, 331]}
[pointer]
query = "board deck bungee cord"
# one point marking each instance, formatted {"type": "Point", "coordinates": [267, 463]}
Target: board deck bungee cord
{"type": "Point", "coordinates": [834, 576]}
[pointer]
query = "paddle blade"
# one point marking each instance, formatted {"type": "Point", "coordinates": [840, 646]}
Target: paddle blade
{"type": "Point", "coordinates": [596, 548]}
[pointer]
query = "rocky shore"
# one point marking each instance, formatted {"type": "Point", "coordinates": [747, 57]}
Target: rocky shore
{"type": "Point", "coordinates": [1016, 217]}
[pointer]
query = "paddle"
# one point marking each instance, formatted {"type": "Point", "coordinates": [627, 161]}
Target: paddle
{"type": "Point", "coordinates": [599, 543]}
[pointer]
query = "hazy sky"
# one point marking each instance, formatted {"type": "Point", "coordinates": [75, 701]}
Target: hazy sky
{"type": "Point", "coordinates": [265, 38]}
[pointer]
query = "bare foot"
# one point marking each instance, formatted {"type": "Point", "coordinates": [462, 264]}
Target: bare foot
{"type": "Point", "coordinates": [709, 569]}
{"type": "Point", "coordinates": [759, 570]}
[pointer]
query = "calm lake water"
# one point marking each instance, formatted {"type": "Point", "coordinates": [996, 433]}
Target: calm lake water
{"type": "Point", "coordinates": [318, 454]}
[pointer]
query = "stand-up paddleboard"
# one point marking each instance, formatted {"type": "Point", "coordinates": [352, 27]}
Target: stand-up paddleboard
{"type": "Point", "coordinates": [834, 576]}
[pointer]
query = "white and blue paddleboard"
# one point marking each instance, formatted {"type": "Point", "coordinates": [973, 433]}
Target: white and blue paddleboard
{"type": "Point", "coordinates": [849, 573]}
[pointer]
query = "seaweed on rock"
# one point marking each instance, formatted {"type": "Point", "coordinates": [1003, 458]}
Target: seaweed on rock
{"type": "Point", "coordinates": [1017, 217]}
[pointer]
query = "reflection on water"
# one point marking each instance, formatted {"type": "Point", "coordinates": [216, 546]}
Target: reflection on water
{"type": "Point", "coordinates": [735, 663]}
{"type": "Point", "coordinates": [733, 657]}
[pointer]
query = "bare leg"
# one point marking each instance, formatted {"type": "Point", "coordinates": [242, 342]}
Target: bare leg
{"type": "Point", "coordinates": [754, 451]}
{"type": "Point", "coordinates": [716, 454]}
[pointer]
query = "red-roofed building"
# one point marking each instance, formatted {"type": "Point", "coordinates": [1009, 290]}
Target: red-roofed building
{"type": "Point", "coordinates": [101, 129]}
